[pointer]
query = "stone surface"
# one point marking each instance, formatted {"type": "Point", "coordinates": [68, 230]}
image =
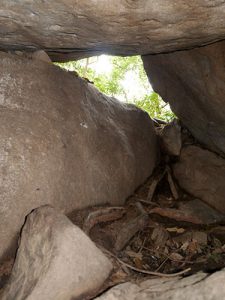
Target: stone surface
{"type": "Point", "coordinates": [201, 211]}
{"type": "Point", "coordinates": [64, 143]}
{"type": "Point", "coordinates": [198, 287]}
{"type": "Point", "coordinates": [193, 82]}
{"type": "Point", "coordinates": [55, 260]}
{"type": "Point", "coordinates": [41, 55]}
{"type": "Point", "coordinates": [170, 137]}
{"type": "Point", "coordinates": [125, 27]}
{"type": "Point", "coordinates": [202, 174]}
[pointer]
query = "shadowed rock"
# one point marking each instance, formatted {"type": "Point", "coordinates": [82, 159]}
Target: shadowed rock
{"type": "Point", "coordinates": [64, 143]}
{"type": "Point", "coordinates": [193, 82]}
{"type": "Point", "coordinates": [170, 138]}
{"type": "Point", "coordinates": [202, 174]}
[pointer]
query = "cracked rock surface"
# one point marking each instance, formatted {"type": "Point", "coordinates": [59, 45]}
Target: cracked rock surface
{"type": "Point", "coordinates": [85, 27]}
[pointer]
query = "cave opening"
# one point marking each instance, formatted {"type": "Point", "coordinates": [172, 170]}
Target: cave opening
{"type": "Point", "coordinates": [123, 78]}
{"type": "Point", "coordinates": [166, 227]}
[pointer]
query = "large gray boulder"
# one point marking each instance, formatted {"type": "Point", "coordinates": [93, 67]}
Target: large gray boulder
{"type": "Point", "coordinates": [55, 260]}
{"type": "Point", "coordinates": [202, 174]}
{"type": "Point", "coordinates": [200, 286]}
{"type": "Point", "coordinates": [87, 27]}
{"type": "Point", "coordinates": [64, 143]}
{"type": "Point", "coordinates": [193, 82]}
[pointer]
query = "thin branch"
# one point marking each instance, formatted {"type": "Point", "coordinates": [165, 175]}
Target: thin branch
{"type": "Point", "coordinates": [146, 271]}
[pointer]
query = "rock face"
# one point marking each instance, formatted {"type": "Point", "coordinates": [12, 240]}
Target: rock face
{"type": "Point", "coordinates": [193, 82]}
{"type": "Point", "coordinates": [170, 138]}
{"type": "Point", "coordinates": [120, 27]}
{"type": "Point", "coordinates": [202, 174]}
{"type": "Point", "coordinates": [64, 143]}
{"type": "Point", "coordinates": [55, 260]}
{"type": "Point", "coordinates": [199, 287]}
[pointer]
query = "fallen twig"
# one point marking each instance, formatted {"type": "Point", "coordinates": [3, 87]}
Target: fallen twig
{"type": "Point", "coordinates": [147, 202]}
{"type": "Point", "coordinates": [167, 256]}
{"type": "Point", "coordinates": [162, 264]}
{"type": "Point", "coordinates": [175, 214]}
{"type": "Point", "coordinates": [171, 183]}
{"type": "Point", "coordinates": [101, 216]}
{"type": "Point", "coordinates": [153, 185]}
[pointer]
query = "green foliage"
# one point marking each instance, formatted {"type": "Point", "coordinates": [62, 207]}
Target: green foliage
{"type": "Point", "coordinates": [111, 83]}
{"type": "Point", "coordinates": [155, 107]}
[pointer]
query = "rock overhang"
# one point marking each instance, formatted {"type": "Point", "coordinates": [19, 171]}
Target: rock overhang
{"type": "Point", "coordinates": [69, 29]}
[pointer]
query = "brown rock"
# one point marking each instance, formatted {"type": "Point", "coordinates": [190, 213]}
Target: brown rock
{"type": "Point", "coordinates": [55, 260]}
{"type": "Point", "coordinates": [64, 143]}
{"type": "Point", "coordinates": [81, 28]}
{"type": "Point", "coordinates": [202, 174]}
{"type": "Point", "coordinates": [201, 211]}
{"type": "Point", "coordinates": [170, 137]}
{"type": "Point", "coordinates": [193, 82]}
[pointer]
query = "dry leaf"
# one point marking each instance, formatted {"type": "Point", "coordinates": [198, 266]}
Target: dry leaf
{"type": "Point", "coordinates": [175, 229]}
{"type": "Point", "coordinates": [134, 255]}
{"type": "Point", "coordinates": [138, 263]}
{"type": "Point", "coordinates": [176, 256]}
{"type": "Point", "coordinates": [159, 236]}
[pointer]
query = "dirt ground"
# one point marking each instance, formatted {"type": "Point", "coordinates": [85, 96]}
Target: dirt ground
{"type": "Point", "coordinates": [173, 233]}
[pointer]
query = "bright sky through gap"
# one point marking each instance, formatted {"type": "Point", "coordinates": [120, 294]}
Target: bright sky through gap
{"type": "Point", "coordinates": [124, 79]}
{"type": "Point", "coordinates": [131, 82]}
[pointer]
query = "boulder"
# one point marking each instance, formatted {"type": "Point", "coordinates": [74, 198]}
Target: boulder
{"type": "Point", "coordinates": [70, 29]}
{"type": "Point", "coordinates": [193, 82]}
{"type": "Point", "coordinates": [55, 260]}
{"type": "Point", "coordinates": [64, 143]}
{"type": "Point", "coordinates": [200, 286]}
{"type": "Point", "coordinates": [202, 174]}
{"type": "Point", "coordinates": [170, 138]}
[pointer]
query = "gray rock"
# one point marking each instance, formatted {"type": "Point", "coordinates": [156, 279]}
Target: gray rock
{"type": "Point", "coordinates": [41, 55]}
{"type": "Point", "coordinates": [64, 143]}
{"type": "Point", "coordinates": [202, 174]}
{"type": "Point", "coordinates": [82, 28]}
{"type": "Point", "coordinates": [200, 286]}
{"type": "Point", "coordinates": [170, 137]}
{"type": "Point", "coordinates": [193, 82]}
{"type": "Point", "coordinates": [55, 260]}
{"type": "Point", "coordinates": [201, 211]}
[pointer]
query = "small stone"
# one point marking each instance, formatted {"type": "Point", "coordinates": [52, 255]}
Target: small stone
{"type": "Point", "coordinates": [41, 55]}
{"type": "Point", "coordinates": [55, 260]}
{"type": "Point", "coordinates": [176, 256]}
{"type": "Point", "coordinates": [200, 237]}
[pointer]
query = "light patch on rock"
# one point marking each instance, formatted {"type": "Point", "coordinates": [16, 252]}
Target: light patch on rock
{"type": "Point", "coordinates": [55, 260]}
